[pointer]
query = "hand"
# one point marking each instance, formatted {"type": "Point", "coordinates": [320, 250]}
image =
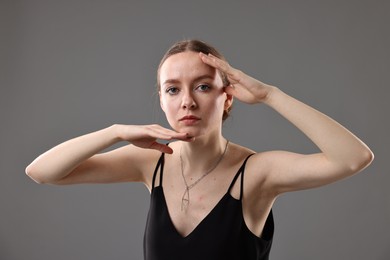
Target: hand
{"type": "Point", "coordinates": [145, 136]}
{"type": "Point", "coordinates": [243, 87]}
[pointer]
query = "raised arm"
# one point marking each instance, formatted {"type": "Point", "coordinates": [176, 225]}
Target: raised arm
{"type": "Point", "coordinates": [78, 160]}
{"type": "Point", "coordinates": [342, 153]}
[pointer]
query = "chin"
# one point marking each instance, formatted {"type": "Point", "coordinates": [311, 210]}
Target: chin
{"type": "Point", "coordinates": [191, 130]}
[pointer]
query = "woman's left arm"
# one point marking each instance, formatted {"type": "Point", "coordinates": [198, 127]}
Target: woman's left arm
{"type": "Point", "coordinates": [342, 153]}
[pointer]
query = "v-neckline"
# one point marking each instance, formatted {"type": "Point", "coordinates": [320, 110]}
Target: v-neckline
{"type": "Point", "coordinates": [227, 195]}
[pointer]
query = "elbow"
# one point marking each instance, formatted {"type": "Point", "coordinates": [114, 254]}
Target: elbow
{"type": "Point", "coordinates": [39, 177]}
{"type": "Point", "coordinates": [364, 160]}
{"type": "Point", "coordinates": [32, 173]}
{"type": "Point", "coordinates": [367, 158]}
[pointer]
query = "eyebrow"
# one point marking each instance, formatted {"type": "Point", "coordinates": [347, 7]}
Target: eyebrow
{"type": "Point", "coordinates": [199, 78]}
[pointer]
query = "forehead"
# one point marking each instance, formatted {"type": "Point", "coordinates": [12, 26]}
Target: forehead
{"type": "Point", "coordinates": [185, 66]}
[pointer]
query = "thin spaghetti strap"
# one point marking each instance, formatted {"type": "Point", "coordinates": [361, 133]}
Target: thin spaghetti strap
{"type": "Point", "coordinates": [241, 170]}
{"type": "Point", "coordinates": [160, 164]}
{"type": "Point", "coordinates": [242, 177]}
{"type": "Point", "coordinates": [162, 168]}
{"type": "Point", "coordinates": [156, 169]}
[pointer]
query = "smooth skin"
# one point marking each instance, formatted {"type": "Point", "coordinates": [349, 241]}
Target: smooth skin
{"type": "Point", "coordinates": [191, 85]}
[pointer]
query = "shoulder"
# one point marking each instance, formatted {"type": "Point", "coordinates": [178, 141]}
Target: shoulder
{"type": "Point", "coordinates": [240, 155]}
{"type": "Point", "coordinates": [135, 162]}
{"type": "Point", "coordinates": [255, 170]}
{"type": "Point", "coordinates": [238, 152]}
{"type": "Point", "coordinates": [147, 159]}
{"type": "Point", "coordinates": [257, 166]}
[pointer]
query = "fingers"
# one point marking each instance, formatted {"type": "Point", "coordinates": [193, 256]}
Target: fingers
{"type": "Point", "coordinates": [231, 90]}
{"type": "Point", "coordinates": [214, 62]}
{"type": "Point", "coordinates": [148, 137]}
{"type": "Point", "coordinates": [221, 65]}
{"type": "Point", "coordinates": [159, 132]}
{"type": "Point", "coordinates": [161, 147]}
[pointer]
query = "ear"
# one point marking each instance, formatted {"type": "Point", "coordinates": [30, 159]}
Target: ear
{"type": "Point", "coordinates": [228, 101]}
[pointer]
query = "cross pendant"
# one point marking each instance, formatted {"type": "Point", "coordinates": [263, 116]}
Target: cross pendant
{"type": "Point", "coordinates": [185, 200]}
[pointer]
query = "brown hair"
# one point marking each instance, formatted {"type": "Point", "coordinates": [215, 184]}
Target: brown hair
{"type": "Point", "coordinates": [195, 46]}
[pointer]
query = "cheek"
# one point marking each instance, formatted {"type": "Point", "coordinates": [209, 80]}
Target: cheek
{"type": "Point", "coordinates": [163, 102]}
{"type": "Point", "coordinates": [220, 100]}
{"type": "Point", "coordinates": [216, 106]}
{"type": "Point", "coordinates": [168, 106]}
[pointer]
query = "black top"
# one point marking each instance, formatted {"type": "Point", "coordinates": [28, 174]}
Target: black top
{"type": "Point", "coordinates": [222, 234]}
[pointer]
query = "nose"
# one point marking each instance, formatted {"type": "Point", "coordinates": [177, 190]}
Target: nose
{"type": "Point", "coordinates": [188, 101]}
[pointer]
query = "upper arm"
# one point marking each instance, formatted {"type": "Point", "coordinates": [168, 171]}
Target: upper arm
{"type": "Point", "coordinates": [287, 171]}
{"type": "Point", "coordinates": [125, 164]}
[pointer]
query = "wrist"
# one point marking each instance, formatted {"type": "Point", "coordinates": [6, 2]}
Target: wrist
{"type": "Point", "coordinates": [272, 91]}
{"type": "Point", "coordinates": [117, 132]}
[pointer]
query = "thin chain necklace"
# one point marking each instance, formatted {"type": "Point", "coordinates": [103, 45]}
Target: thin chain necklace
{"type": "Point", "coordinates": [185, 200]}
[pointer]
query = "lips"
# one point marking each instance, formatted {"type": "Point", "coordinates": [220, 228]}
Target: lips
{"type": "Point", "coordinates": [189, 120]}
{"type": "Point", "coordinates": [189, 117]}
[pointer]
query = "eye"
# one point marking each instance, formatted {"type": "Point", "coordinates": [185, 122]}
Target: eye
{"type": "Point", "coordinates": [172, 90]}
{"type": "Point", "coordinates": [203, 87]}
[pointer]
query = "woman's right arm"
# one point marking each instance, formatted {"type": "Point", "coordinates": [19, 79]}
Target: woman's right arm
{"type": "Point", "coordinates": [78, 160]}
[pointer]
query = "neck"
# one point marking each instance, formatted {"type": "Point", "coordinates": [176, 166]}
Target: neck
{"type": "Point", "coordinates": [201, 154]}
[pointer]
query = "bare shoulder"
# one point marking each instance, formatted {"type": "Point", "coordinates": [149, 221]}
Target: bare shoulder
{"type": "Point", "coordinates": [137, 160]}
{"type": "Point", "coordinates": [239, 153]}
{"type": "Point", "coordinates": [256, 168]}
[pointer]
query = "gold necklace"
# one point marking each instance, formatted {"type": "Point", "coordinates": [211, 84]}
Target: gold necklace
{"type": "Point", "coordinates": [185, 200]}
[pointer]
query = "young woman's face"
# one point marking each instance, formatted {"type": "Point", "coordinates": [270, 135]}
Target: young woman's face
{"type": "Point", "coordinates": [191, 94]}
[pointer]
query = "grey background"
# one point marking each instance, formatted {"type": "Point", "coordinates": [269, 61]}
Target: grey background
{"type": "Point", "coordinates": [72, 67]}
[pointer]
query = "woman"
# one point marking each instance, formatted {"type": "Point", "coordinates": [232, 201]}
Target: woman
{"type": "Point", "coordinates": [202, 207]}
